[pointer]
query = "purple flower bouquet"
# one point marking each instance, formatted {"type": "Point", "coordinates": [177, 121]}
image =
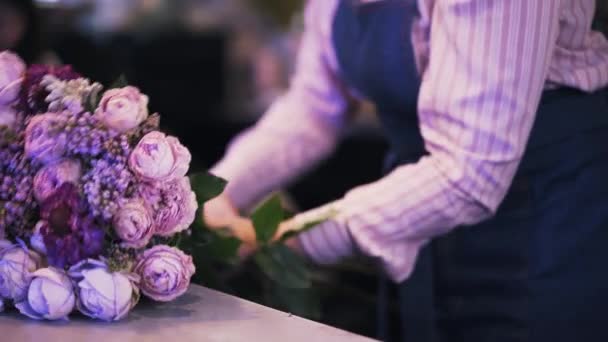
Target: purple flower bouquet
{"type": "Point", "coordinates": [92, 197]}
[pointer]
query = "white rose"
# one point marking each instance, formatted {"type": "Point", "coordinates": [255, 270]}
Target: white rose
{"type": "Point", "coordinates": [50, 295]}
{"type": "Point", "coordinates": [102, 294]}
{"type": "Point", "coordinates": [16, 267]}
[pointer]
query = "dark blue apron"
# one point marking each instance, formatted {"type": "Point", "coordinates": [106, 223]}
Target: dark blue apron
{"type": "Point", "coordinates": [538, 270]}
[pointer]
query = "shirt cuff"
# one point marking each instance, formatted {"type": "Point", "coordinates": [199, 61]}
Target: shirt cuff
{"type": "Point", "coordinates": [328, 243]}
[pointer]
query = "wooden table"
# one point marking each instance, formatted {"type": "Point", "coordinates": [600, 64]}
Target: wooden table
{"type": "Point", "coordinates": [199, 315]}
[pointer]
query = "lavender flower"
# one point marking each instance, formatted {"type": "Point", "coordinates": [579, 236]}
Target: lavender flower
{"type": "Point", "coordinates": [107, 183]}
{"type": "Point", "coordinates": [70, 233]}
{"type": "Point", "coordinates": [87, 138]}
{"type": "Point", "coordinates": [18, 208]}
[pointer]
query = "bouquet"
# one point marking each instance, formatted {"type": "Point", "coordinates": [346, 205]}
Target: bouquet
{"type": "Point", "coordinates": [94, 198]}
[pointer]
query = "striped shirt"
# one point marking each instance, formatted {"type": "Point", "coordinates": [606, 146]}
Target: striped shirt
{"type": "Point", "coordinates": [483, 64]}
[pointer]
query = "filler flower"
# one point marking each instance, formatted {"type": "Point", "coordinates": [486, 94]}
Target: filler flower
{"type": "Point", "coordinates": [34, 93]}
{"type": "Point", "coordinates": [69, 232]}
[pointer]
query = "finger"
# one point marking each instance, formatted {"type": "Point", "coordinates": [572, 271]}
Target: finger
{"type": "Point", "coordinates": [218, 212]}
{"type": "Point", "coordinates": [284, 228]}
{"type": "Point", "coordinates": [242, 228]}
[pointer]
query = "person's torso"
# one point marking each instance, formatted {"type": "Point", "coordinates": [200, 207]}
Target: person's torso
{"type": "Point", "coordinates": [579, 59]}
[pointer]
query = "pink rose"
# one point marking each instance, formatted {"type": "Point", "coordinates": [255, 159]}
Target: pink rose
{"type": "Point", "coordinates": [45, 140]}
{"type": "Point", "coordinates": [165, 272]}
{"type": "Point", "coordinates": [123, 109]}
{"type": "Point", "coordinates": [53, 175]}
{"type": "Point", "coordinates": [8, 116]}
{"type": "Point", "coordinates": [176, 209]}
{"type": "Point", "coordinates": [159, 158]}
{"type": "Point", "coordinates": [12, 69]}
{"type": "Point", "coordinates": [133, 224]}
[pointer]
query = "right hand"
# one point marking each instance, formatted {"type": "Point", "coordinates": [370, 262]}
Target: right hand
{"type": "Point", "coordinates": [220, 213]}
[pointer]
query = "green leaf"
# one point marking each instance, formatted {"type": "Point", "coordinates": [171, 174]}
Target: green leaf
{"type": "Point", "coordinates": [209, 244]}
{"type": "Point", "coordinates": [120, 82]}
{"type": "Point", "coordinates": [266, 219]}
{"type": "Point", "coordinates": [206, 186]}
{"type": "Point", "coordinates": [223, 248]}
{"type": "Point", "coordinates": [92, 101]}
{"type": "Point", "coordinates": [301, 229]}
{"type": "Point", "coordinates": [283, 266]}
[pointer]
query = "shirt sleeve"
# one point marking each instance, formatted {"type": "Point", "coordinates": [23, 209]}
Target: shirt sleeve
{"type": "Point", "coordinates": [486, 72]}
{"type": "Point", "coordinates": [299, 129]}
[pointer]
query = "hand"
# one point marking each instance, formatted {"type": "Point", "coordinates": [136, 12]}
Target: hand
{"type": "Point", "coordinates": [220, 213]}
{"type": "Point", "coordinates": [293, 243]}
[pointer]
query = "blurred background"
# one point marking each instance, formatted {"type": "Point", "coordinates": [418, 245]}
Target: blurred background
{"type": "Point", "coordinates": [210, 68]}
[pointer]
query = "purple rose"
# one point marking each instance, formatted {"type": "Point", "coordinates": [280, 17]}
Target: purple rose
{"type": "Point", "coordinates": [165, 272]}
{"type": "Point", "coordinates": [133, 224]}
{"type": "Point", "coordinates": [45, 140]}
{"type": "Point", "coordinates": [176, 209]}
{"type": "Point", "coordinates": [50, 295]}
{"type": "Point", "coordinates": [12, 70]}
{"type": "Point", "coordinates": [53, 175]}
{"type": "Point", "coordinates": [159, 158]}
{"type": "Point", "coordinates": [104, 295]}
{"type": "Point", "coordinates": [69, 231]}
{"type": "Point", "coordinates": [17, 263]}
{"type": "Point", "coordinates": [123, 109]}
